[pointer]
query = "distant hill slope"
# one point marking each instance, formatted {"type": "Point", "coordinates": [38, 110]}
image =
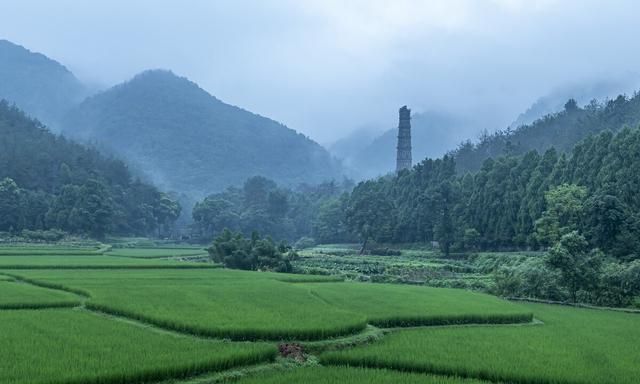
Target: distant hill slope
{"type": "Point", "coordinates": [432, 136]}
{"type": "Point", "coordinates": [42, 87]}
{"type": "Point", "coordinates": [561, 130]}
{"type": "Point", "coordinates": [47, 181]}
{"type": "Point", "coordinates": [187, 140]}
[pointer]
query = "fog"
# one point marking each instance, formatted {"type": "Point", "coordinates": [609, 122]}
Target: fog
{"type": "Point", "coordinates": [327, 68]}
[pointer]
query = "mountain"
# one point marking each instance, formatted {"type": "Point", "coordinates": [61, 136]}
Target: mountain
{"type": "Point", "coordinates": [186, 140]}
{"type": "Point", "coordinates": [42, 87]}
{"type": "Point", "coordinates": [432, 136]}
{"type": "Point", "coordinates": [49, 182]}
{"type": "Point", "coordinates": [560, 130]}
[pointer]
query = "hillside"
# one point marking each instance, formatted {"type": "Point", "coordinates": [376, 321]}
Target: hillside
{"type": "Point", "coordinates": [561, 130]}
{"type": "Point", "coordinates": [186, 140]}
{"type": "Point", "coordinates": [49, 182]}
{"type": "Point", "coordinates": [42, 87]}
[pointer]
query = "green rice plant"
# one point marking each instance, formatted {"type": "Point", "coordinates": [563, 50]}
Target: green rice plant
{"type": "Point", "coordinates": [71, 346]}
{"type": "Point", "coordinates": [572, 346]}
{"type": "Point", "coordinates": [388, 305]}
{"type": "Point", "coordinates": [32, 251]}
{"type": "Point", "coordinates": [338, 375]}
{"type": "Point", "coordinates": [231, 304]}
{"type": "Point", "coordinates": [91, 262]}
{"type": "Point", "coordinates": [157, 253]}
{"type": "Point", "coordinates": [243, 305]}
{"type": "Point", "coordinates": [19, 295]}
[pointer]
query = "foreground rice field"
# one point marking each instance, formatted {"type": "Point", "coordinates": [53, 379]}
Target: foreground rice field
{"type": "Point", "coordinates": [388, 305]}
{"type": "Point", "coordinates": [71, 346]}
{"type": "Point", "coordinates": [572, 346]}
{"type": "Point", "coordinates": [168, 319]}
{"type": "Point", "coordinates": [249, 305]}
{"type": "Point", "coordinates": [335, 375]}
{"type": "Point", "coordinates": [16, 295]}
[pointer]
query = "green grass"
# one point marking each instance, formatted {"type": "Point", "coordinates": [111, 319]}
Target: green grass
{"type": "Point", "coordinates": [573, 345]}
{"type": "Point", "coordinates": [245, 305]}
{"type": "Point", "coordinates": [216, 303]}
{"type": "Point", "coordinates": [387, 305]}
{"type": "Point", "coordinates": [19, 295]}
{"type": "Point", "coordinates": [71, 346]}
{"type": "Point", "coordinates": [339, 375]}
{"type": "Point", "coordinates": [87, 262]}
{"type": "Point", "coordinates": [47, 250]}
{"type": "Point", "coordinates": [156, 253]}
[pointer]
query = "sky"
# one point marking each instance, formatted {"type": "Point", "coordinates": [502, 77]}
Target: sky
{"type": "Point", "coordinates": [329, 67]}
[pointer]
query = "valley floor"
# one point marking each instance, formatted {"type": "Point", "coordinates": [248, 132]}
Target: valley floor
{"type": "Point", "coordinates": [152, 316]}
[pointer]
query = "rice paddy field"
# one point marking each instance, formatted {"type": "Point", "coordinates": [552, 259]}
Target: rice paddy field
{"type": "Point", "coordinates": [214, 303]}
{"type": "Point", "coordinates": [332, 375]}
{"type": "Point", "coordinates": [570, 345]}
{"type": "Point", "coordinates": [19, 295]}
{"type": "Point", "coordinates": [148, 315]}
{"type": "Point", "coordinates": [73, 346]}
{"type": "Point", "coordinates": [157, 253]}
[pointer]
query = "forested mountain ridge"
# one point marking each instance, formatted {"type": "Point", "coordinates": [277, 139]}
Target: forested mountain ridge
{"type": "Point", "coordinates": [560, 130]}
{"type": "Point", "coordinates": [40, 86]}
{"type": "Point", "coordinates": [186, 140]}
{"type": "Point", "coordinates": [49, 182]}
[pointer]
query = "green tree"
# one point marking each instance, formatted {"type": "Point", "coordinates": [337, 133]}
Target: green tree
{"type": "Point", "coordinates": [578, 266]}
{"type": "Point", "coordinates": [564, 210]}
{"type": "Point", "coordinates": [9, 205]}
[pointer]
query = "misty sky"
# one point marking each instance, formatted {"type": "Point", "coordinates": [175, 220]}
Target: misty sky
{"type": "Point", "coordinates": [328, 67]}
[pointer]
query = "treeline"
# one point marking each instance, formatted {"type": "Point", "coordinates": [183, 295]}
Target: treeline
{"type": "Point", "coordinates": [581, 207]}
{"type": "Point", "coordinates": [561, 130]}
{"type": "Point", "coordinates": [513, 202]}
{"type": "Point", "coordinates": [48, 182]}
{"type": "Point", "coordinates": [291, 214]}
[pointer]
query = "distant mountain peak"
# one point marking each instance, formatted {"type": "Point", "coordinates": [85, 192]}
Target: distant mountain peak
{"type": "Point", "coordinates": [39, 85]}
{"type": "Point", "coordinates": [185, 139]}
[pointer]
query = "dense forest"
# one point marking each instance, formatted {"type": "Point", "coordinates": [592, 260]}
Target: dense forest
{"type": "Point", "coordinates": [186, 140]}
{"type": "Point", "coordinates": [560, 130]}
{"type": "Point", "coordinates": [49, 182]}
{"type": "Point", "coordinates": [581, 206]}
{"type": "Point", "coordinates": [307, 211]}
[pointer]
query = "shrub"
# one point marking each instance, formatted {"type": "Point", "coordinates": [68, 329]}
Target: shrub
{"type": "Point", "coordinates": [235, 251]}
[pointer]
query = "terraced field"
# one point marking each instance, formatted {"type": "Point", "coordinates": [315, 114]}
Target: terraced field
{"type": "Point", "coordinates": [572, 345]}
{"type": "Point", "coordinates": [248, 305]}
{"type": "Point", "coordinates": [72, 346]}
{"type": "Point", "coordinates": [157, 253]}
{"type": "Point", "coordinates": [17, 295]}
{"type": "Point", "coordinates": [147, 317]}
{"type": "Point", "coordinates": [332, 375]}
{"type": "Point", "coordinates": [90, 262]}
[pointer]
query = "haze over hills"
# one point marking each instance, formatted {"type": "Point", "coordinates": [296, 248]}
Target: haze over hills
{"type": "Point", "coordinates": [561, 130]}
{"type": "Point", "coordinates": [40, 86]}
{"type": "Point", "coordinates": [583, 93]}
{"type": "Point", "coordinates": [186, 140]}
{"type": "Point", "coordinates": [369, 155]}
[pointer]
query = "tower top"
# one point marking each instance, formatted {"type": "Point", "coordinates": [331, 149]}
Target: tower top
{"type": "Point", "coordinates": [403, 159]}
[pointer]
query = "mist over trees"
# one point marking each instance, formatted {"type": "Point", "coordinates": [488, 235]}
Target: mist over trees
{"type": "Point", "coordinates": [279, 212]}
{"type": "Point", "coordinates": [560, 130]}
{"type": "Point", "coordinates": [184, 139]}
{"type": "Point", "coordinates": [41, 87]}
{"type": "Point", "coordinates": [48, 182]}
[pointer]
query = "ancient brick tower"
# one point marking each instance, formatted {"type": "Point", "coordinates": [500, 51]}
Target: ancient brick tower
{"type": "Point", "coordinates": [404, 140]}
